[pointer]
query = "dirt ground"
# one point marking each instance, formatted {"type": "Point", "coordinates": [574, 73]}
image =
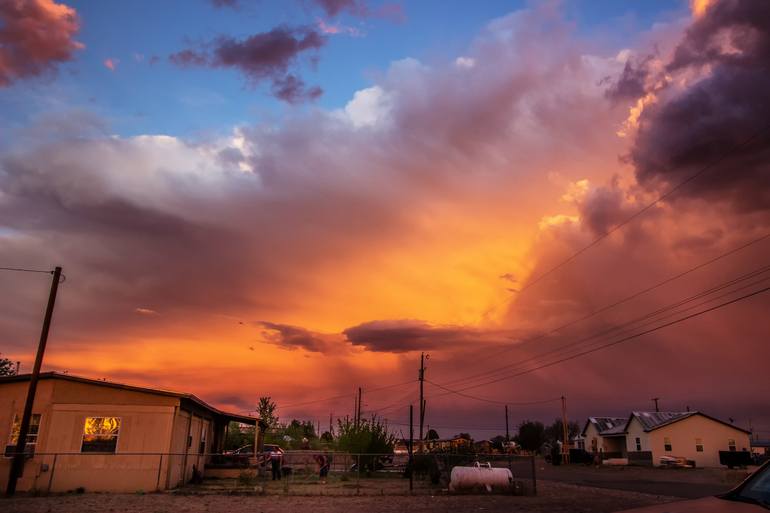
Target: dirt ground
{"type": "Point", "coordinates": [552, 498]}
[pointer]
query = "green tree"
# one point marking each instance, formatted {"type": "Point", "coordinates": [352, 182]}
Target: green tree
{"type": "Point", "coordinates": [554, 433]}
{"type": "Point", "coordinates": [531, 435]}
{"type": "Point", "coordinates": [367, 436]}
{"type": "Point", "coordinates": [7, 367]}
{"type": "Point", "coordinates": [238, 435]}
{"type": "Point", "coordinates": [266, 410]}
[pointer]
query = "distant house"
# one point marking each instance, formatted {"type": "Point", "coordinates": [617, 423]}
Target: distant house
{"type": "Point", "coordinates": [605, 436]}
{"type": "Point", "coordinates": [106, 436]}
{"type": "Point", "coordinates": [692, 435]}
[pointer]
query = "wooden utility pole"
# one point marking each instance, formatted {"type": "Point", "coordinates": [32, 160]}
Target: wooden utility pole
{"type": "Point", "coordinates": [17, 465]}
{"type": "Point", "coordinates": [656, 399]}
{"type": "Point", "coordinates": [422, 396]}
{"type": "Point", "coordinates": [331, 427]}
{"type": "Point", "coordinates": [507, 433]}
{"type": "Point", "coordinates": [565, 431]}
{"type": "Point", "coordinates": [411, 448]}
{"type": "Point", "coordinates": [358, 411]}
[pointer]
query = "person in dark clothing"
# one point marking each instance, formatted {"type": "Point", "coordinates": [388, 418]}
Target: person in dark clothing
{"type": "Point", "coordinates": [323, 466]}
{"type": "Point", "coordinates": [276, 458]}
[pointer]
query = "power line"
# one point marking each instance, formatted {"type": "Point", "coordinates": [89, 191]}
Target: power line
{"type": "Point", "coordinates": [623, 300]}
{"type": "Point", "coordinates": [628, 338]}
{"type": "Point", "coordinates": [493, 401]}
{"type": "Point", "coordinates": [343, 396]}
{"type": "Point", "coordinates": [643, 210]}
{"type": "Point", "coordinates": [650, 316]}
{"type": "Point", "coordinates": [746, 276]}
{"type": "Point", "coordinates": [22, 270]}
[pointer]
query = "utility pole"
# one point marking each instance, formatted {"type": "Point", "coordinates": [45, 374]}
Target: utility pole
{"type": "Point", "coordinates": [411, 448]}
{"type": "Point", "coordinates": [18, 367]}
{"type": "Point", "coordinates": [358, 411]}
{"type": "Point", "coordinates": [565, 431]}
{"type": "Point", "coordinates": [507, 434]}
{"type": "Point", "coordinates": [656, 403]}
{"type": "Point", "coordinates": [422, 396]}
{"type": "Point", "coordinates": [331, 428]}
{"type": "Point", "coordinates": [17, 465]}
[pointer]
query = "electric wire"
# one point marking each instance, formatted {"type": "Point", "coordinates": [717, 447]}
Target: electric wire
{"type": "Point", "coordinates": [508, 366]}
{"type": "Point", "coordinates": [621, 301]}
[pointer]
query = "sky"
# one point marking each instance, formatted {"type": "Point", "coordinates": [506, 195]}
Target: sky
{"type": "Point", "coordinates": [298, 198]}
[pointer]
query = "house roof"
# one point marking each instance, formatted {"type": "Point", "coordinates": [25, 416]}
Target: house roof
{"type": "Point", "coordinates": [190, 399]}
{"type": "Point", "coordinates": [607, 426]}
{"type": "Point", "coordinates": [651, 420]}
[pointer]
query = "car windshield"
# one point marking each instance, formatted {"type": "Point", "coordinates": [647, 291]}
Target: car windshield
{"type": "Point", "coordinates": [757, 489]}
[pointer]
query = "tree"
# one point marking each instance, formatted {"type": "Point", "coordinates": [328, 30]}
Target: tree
{"type": "Point", "coordinates": [239, 435]}
{"type": "Point", "coordinates": [365, 436]}
{"type": "Point", "coordinates": [432, 434]}
{"type": "Point", "coordinates": [531, 435]}
{"type": "Point", "coordinates": [266, 411]}
{"type": "Point", "coordinates": [554, 433]}
{"type": "Point", "coordinates": [7, 367]}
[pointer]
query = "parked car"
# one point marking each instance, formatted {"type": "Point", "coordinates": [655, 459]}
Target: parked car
{"type": "Point", "coordinates": [242, 455]}
{"type": "Point", "coordinates": [751, 496]}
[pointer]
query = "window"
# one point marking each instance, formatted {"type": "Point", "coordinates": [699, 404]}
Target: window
{"type": "Point", "coordinates": [34, 428]}
{"type": "Point", "coordinates": [202, 446]}
{"type": "Point", "coordinates": [667, 444]}
{"type": "Point", "coordinates": [699, 444]}
{"type": "Point", "coordinates": [638, 444]}
{"type": "Point", "coordinates": [100, 434]}
{"type": "Point", "coordinates": [731, 444]}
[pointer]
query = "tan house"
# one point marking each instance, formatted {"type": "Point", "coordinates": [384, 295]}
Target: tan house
{"type": "Point", "coordinates": [691, 435]}
{"type": "Point", "coordinates": [605, 436]}
{"type": "Point", "coordinates": [105, 436]}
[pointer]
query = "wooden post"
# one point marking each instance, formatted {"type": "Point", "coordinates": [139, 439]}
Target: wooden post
{"type": "Point", "coordinates": [17, 464]}
{"type": "Point", "coordinates": [565, 431]}
{"type": "Point", "coordinates": [411, 448]}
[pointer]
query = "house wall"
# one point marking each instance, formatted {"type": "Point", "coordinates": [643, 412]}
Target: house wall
{"type": "Point", "coordinates": [146, 426]}
{"type": "Point", "coordinates": [636, 430]}
{"type": "Point", "coordinates": [683, 433]}
{"type": "Point", "coordinates": [603, 444]}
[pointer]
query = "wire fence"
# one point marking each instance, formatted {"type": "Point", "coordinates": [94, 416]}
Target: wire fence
{"type": "Point", "coordinates": [289, 473]}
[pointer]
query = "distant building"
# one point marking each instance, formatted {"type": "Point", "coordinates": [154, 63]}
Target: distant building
{"type": "Point", "coordinates": [106, 436]}
{"type": "Point", "coordinates": [605, 436]}
{"type": "Point", "coordinates": [692, 435]}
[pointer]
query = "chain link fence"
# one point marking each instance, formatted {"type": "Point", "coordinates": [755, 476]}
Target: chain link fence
{"type": "Point", "coordinates": [293, 473]}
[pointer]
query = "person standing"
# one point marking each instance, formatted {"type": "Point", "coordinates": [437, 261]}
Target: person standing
{"type": "Point", "coordinates": [276, 461]}
{"type": "Point", "coordinates": [323, 467]}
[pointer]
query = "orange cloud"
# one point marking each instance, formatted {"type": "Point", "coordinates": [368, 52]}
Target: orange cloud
{"type": "Point", "coordinates": [36, 35]}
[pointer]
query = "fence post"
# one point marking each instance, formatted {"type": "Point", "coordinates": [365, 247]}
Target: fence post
{"type": "Point", "coordinates": [53, 468]}
{"type": "Point", "coordinates": [358, 475]}
{"type": "Point", "coordinates": [160, 466]}
{"type": "Point", "coordinates": [534, 476]}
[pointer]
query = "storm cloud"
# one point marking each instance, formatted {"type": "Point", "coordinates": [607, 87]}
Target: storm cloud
{"type": "Point", "coordinates": [35, 36]}
{"type": "Point", "coordinates": [266, 56]}
{"type": "Point", "coordinates": [712, 114]}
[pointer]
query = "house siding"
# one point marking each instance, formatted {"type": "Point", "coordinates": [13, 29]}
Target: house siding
{"type": "Point", "coordinates": [683, 433]}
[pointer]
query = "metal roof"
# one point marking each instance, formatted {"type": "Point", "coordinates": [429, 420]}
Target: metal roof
{"type": "Point", "coordinates": [651, 420]}
{"type": "Point", "coordinates": [607, 426]}
{"type": "Point", "coordinates": [187, 398]}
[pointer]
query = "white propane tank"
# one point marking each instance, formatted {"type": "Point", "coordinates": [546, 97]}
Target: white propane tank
{"type": "Point", "coordinates": [479, 475]}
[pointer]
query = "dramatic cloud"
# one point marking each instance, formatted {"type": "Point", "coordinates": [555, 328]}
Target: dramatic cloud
{"type": "Point", "coordinates": [406, 335]}
{"type": "Point", "coordinates": [294, 337]}
{"type": "Point", "coordinates": [437, 193]}
{"type": "Point", "coordinates": [35, 35]}
{"type": "Point", "coordinates": [264, 56]}
{"type": "Point", "coordinates": [713, 110]}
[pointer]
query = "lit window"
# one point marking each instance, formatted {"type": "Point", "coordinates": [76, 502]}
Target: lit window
{"type": "Point", "coordinates": [731, 444]}
{"type": "Point", "coordinates": [667, 444]}
{"type": "Point", "coordinates": [100, 434]}
{"type": "Point", "coordinates": [34, 428]}
{"type": "Point", "coordinates": [699, 444]}
{"type": "Point", "coordinates": [638, 444]}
